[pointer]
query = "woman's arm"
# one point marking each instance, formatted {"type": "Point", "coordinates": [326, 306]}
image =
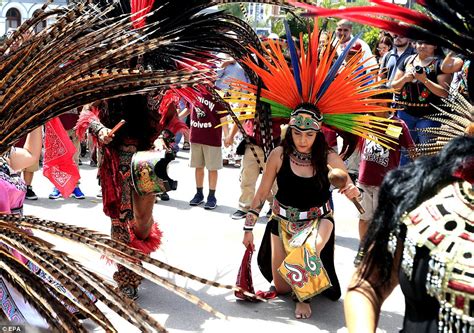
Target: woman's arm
{"type": "Point", "coordinates": [451, 64]}
{"type": "Point", "coordinates": [21, 158]}
{"type": "Point", "coordinates": [401, 78]}
{"type": "Point", "coordinates": [349, 189]}
{"type": "Point", "coordinates": [439, 88]}
{"type": "Point", "coordinates": [271, 169]}
{"type": "Point", "coordinates": [364, 300]}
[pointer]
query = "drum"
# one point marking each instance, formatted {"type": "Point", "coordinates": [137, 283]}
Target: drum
{"type": "Point", "coordinates": [150, 172]}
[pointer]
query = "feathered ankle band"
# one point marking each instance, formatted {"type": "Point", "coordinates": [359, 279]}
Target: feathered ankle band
{"type": "Point", "coordinates": [148, 245]}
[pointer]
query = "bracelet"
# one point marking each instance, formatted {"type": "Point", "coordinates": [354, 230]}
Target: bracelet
{"type": "Point", "coordinates": [250, 220]}
{"type": "Point", "coordinates": [254, 212]}
{"type": "Point", "coordinates": [96, 127]}
{"type": "Point", "coordinates": [425, 81]}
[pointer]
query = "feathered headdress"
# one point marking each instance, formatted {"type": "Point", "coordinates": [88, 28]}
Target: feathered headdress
{"type": "Point", "coordinates": [74, 62]}
{"type": "Point", "coordinates": [323, 88]}
{"type": "Point", "coordinates": [71, 63]}
{"type": "Point", "coordinates": [77, 282]}
{"type": "Point", "coordinates": [456, 116]}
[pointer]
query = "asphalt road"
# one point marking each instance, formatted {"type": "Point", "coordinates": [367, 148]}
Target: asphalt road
{"type": "Point", "coordinates": [208, 243]}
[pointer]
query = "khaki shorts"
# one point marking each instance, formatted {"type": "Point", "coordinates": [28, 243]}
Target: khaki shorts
{"type": "Point", "coordinates": [370, 198]}
{"type": "Point", "coordinates": [206, 156]}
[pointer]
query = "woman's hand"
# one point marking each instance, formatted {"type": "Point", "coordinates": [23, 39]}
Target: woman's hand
{"type": "Point", "coordinates": [350, 191]}
{"type": "Point", "coordinates": [409, 76]}
{"type": "Point", "coordinates": [248, 240]}
{"type": "Point", "coordinates": [421, 77]}
{"type": "Point", "coordinates": [104, 136]}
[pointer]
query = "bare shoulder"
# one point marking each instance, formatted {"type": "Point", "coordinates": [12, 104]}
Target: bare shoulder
{"type": "Point", "coordinates": [276, 154]}
{"type": "Point", "coordinates": [334, 160]}
{"type": "Point", "coordinates": [275, 158]}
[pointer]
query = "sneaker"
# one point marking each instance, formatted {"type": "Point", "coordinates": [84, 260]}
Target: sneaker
{"type": "Point", "coordinates": [186, 145]}
{"type": "Point", "coordinates": [30, 194]}
{"type": "Point", "coordinates": [211, 203]}
{"type": "Point", "coordinates": [77, 193]}
{"type": "Point", "coordinates": [164, 196]}
{"type": "Point", "coordinates": [55, 194]}
{"type": "Point", "coordinates": [239, 214]}
{"type": "Point", "coordinates": [197, 200]}
{"type": "Point", "coordinates": [79, 162]}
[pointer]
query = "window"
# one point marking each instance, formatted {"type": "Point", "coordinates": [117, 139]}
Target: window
{"type": "Point", "coordinates": [13, 18]}
{"type": "Point", "coordinates": [41, 25]}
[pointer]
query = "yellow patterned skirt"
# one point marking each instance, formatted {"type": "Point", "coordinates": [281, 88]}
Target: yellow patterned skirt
{"type": "Point", "coordinates": [302, 268]}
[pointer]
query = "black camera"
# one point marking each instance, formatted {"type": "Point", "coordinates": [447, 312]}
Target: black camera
{"type": "Point", "coordinates": [419, 69]}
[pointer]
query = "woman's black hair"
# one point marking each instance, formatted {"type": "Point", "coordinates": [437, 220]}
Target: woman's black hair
{"type": "Point", "coordinates": [142, 123]}
{"type": "Point", "coordinates": [319, 154]}
{"type": "Point", "coordinates": [403, 190]}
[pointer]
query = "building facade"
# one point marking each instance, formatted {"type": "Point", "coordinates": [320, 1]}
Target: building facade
{"type": "Point", "coordinates": [14, 12]}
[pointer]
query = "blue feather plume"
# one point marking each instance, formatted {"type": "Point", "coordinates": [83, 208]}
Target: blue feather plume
{"type": "Point", "coordinates": [294, 58]}
{"type": "Point", "coordinates": [335, 68]}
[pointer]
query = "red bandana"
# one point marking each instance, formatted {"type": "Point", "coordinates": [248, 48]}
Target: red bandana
{"type": "Point", "coordinates": [58, 165]}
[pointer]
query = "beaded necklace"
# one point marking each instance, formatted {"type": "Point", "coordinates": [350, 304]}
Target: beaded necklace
{"type": "Point", "coordinates": [301, 159]}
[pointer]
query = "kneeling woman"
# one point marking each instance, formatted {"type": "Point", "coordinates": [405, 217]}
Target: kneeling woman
{"type": "Point", "coordinates": [302, 222]}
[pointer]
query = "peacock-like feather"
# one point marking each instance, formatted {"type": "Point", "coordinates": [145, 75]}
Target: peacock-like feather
{"type": "Point", "coordinates": [76, 279]}
{"type": "Point", "coordinates": [456, 116]}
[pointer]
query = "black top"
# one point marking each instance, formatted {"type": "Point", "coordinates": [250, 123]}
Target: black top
{"type": "Point", "coordinates": [421, 309]}
{"type": "Point", "coordinates": [301, 192]}
{"type": "Point", "coordinates": [416, 93]}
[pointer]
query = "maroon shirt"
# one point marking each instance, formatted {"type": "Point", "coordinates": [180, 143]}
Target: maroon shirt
{"type": "Point", "coordinates": [205, 117]}
{"type": "Point", "coordinates": [376, 160]}
{"type": "Point", "coordinates": [69, 119]}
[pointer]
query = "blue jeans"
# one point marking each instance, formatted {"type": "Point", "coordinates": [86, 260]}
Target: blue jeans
{"type": "Point", "coordinates": [418, 137]}
{"type": "Point", "coordinates": [177, 140]}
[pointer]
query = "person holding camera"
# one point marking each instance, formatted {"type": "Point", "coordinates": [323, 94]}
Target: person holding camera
{"type": "Point", "coordinates": [420, 83]}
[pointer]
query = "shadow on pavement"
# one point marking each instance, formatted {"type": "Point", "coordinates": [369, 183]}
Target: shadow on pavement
{"type": "Point", "coordinates": [87, 202]}
{"type": "Point", "coordinates": [348, 242]}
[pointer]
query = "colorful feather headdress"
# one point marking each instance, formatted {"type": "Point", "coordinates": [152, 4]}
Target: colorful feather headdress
{"type": "Point", "coordinates": [339, 92]}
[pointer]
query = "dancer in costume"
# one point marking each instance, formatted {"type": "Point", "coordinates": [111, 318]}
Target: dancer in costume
{"type": "Point", "coordinates": [302, 222]}
{"type": "Point", "coordinates": [422, 232]}
{"type": "Point", "coordinates": [311, 95]}
{"type": "Point", "coordinates": [69, 64]}
{"type": "Point", "coordinates": [196, 35]}
{"type": "Point", "coordinates": [421, 238]}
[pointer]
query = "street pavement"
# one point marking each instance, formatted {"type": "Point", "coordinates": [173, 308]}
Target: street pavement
{"type": "Point", "coordinates": [208, 244]}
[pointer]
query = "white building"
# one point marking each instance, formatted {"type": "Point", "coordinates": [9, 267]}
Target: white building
{"type": "Point", "coordinates": [14, 13]}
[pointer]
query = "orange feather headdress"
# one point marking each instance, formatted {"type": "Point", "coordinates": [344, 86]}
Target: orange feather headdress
{"type": "Point", "coordinates": [341, 93]}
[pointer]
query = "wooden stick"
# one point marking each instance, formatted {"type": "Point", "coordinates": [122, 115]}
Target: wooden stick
{"type": "Point", "coordinates": [117, 127]}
